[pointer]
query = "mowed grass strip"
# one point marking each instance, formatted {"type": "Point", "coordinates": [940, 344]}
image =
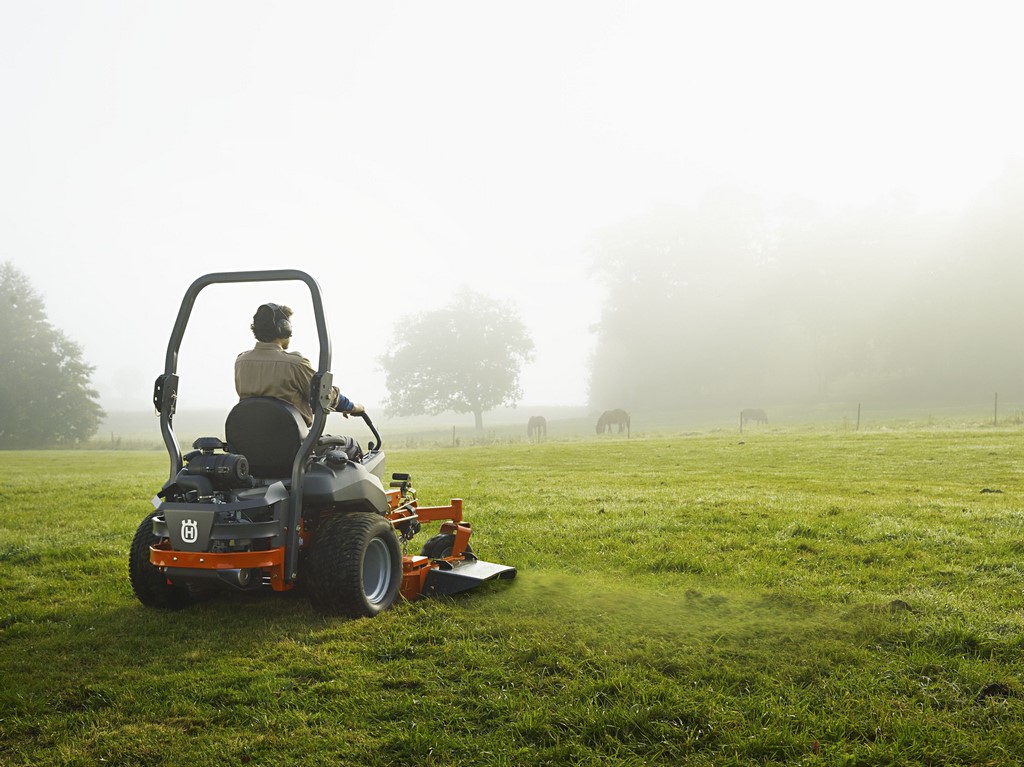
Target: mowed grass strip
{"type": "Point", "coordinates": [775, 598]}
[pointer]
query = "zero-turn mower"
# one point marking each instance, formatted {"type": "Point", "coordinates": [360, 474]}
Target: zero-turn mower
{"type": "Point", "coordinates": [278, 505]}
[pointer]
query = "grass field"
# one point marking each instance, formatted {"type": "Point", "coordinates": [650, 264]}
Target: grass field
{"type": "Point", "coordinates": [784, 597]}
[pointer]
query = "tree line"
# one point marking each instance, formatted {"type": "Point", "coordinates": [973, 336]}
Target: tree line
{"type": "Point", "coordinates": [725, 302]}
{"type": "Point", "coordinates": [465, 357]}
{"type": "Point", "coordinates": [729, 302]}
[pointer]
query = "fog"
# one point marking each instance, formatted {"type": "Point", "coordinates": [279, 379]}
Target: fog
{"type": "Point", "coordinates": [399, 151]}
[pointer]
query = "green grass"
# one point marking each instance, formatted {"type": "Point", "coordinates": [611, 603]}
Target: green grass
{"type": "Point", "coordinates": [704, 599]}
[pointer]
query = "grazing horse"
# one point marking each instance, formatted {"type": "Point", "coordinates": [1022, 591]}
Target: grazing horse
{"type": "Point", "coordinates": [537, 428]}
{"type": "Point", "coordinates": [611, 418]}
{"type": "Point", "coordinates": [752, 414]}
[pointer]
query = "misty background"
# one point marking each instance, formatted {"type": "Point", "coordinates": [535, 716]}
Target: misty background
{"type": "Point", "coordinates": [721, 205]}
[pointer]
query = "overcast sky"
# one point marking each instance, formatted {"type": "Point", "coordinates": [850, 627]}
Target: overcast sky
{"type": "Point", "coordinates": [397, 151]}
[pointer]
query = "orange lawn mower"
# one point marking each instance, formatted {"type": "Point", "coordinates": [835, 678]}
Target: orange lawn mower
{"type": "Point", "coordinates": [276, 505]}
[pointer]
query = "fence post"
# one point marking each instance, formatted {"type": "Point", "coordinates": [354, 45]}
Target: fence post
{"type": "Point", "coordinates": [858, 416]}
{"type": "Point", "coordinates": [995, 412]}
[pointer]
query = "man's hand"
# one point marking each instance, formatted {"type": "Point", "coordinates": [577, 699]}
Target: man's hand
{"type": "Point", "coordinates": [357, 409]}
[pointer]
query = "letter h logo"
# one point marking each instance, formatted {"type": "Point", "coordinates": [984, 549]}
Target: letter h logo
{"type": "Point", "coordinates": [189, 531]}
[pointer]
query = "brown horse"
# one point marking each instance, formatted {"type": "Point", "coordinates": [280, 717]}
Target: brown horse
{"type": "Point", "coordinates": [757, 415]}
{"type": "Point", "coordinates": [537, 428]}
{"type": "Point", "coordinates": [611, 418]}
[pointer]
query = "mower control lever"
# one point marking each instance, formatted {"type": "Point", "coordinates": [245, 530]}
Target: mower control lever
{"type": "Point", "coordinates": [372, 446]}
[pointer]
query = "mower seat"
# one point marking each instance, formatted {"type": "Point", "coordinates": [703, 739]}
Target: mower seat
{"type": "Point", "coordinates": [268, 432]}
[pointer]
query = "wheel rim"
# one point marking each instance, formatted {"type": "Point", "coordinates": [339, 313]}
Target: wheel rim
{"type": "Point", "coordinates": [376, 571]}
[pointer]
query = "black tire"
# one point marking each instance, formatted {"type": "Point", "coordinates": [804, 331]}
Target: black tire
{"type": "Point", "coordinates": [355, 566]}
{"type": "Point", "coordinates": [440, 546]}
{"type": "Point", "coordinates": [149, 584]}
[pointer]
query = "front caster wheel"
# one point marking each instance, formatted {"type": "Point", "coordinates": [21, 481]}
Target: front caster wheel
{"type": "Point", "coordinates": [440, 546]}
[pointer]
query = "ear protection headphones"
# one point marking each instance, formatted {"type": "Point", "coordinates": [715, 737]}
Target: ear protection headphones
{"type": "Point", "coordinates": [281, 323]}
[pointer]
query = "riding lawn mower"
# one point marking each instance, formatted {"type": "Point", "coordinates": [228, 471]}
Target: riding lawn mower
{"type": "Point", "coordinates": [277, 505]}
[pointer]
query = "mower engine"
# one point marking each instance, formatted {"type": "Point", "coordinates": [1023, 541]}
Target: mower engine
{"type": "Point", "coordinates": [214, 506]}
{"type": "Point", "coordinates": [208, 476]}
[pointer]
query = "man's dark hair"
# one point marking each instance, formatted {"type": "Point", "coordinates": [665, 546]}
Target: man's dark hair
{"type": "Point", "coordinates": [267, 323]}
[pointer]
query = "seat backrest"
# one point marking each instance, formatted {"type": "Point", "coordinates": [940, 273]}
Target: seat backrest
{"type": "Point", "coordinates": [268, 432]}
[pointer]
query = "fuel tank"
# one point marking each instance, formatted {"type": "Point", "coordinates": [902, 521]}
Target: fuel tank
{"type": "Point", "coordinates": [336, 481]}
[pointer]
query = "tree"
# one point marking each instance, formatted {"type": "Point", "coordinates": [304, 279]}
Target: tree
{"type": "Point", "coordinates": [679, 284]}
{"type": "Point", "coordinates": [465, 358]}
{"type": "Point", "coordinates": [45, 398]}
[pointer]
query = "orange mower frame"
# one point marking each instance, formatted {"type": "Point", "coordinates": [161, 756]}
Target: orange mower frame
{"type": "Point", "coordinates": [415, 568]}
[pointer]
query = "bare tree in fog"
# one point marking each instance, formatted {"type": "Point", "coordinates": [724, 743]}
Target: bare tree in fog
{"type": "Point", "coordinates": [677, 324]}
{"type": "Point", "coordinates": [981, 279]}
{"type": "Point", "coordinates": [852, 299]}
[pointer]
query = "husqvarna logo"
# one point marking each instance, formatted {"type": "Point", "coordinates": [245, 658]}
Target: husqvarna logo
{"type": "Point", "coordinates": [189, 531]}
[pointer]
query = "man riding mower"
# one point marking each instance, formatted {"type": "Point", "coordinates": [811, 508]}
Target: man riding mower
{"type": "Point", "coordinates": [278, 504]}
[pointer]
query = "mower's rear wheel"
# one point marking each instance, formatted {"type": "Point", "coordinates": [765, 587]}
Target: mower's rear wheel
{"type": "Point", "coordinates": [149, 584]}
{"type": "Point", "coordinates": [355, 566]}
{"type": "Point", "coordinates": [440, 546]}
